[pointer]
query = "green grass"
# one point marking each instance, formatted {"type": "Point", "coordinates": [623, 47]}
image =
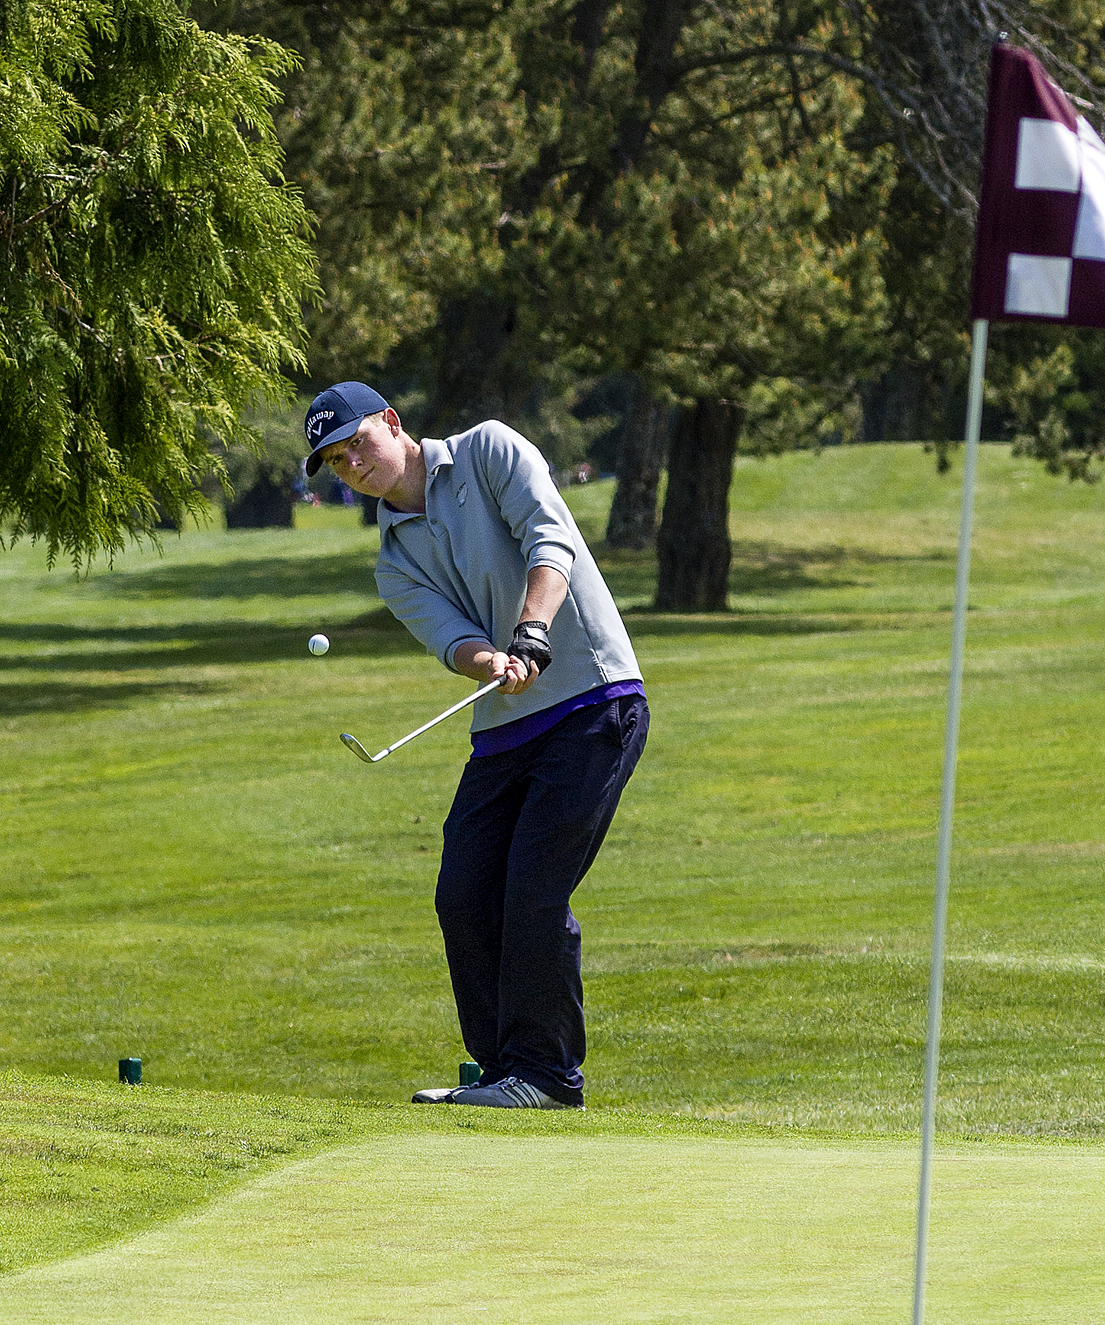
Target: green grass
{"type": "Point", "coordinates": [83, 1163]}
{"type": "Point", "coordinates": [438, 1215]}
{"type": "Point", "coordinates": [196, 871]}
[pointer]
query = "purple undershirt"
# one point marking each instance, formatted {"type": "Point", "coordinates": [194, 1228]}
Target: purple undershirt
{"type": "Point", "coordinates": [497, 740]}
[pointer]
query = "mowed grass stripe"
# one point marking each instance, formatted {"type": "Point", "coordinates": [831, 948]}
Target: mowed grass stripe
{"type": "Point", "coordinates": [483, 1224]}
{"type": "Point", "coordinates": [197, 872]}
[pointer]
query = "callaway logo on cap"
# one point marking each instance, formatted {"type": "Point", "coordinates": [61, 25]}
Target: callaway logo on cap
{"type": "Point", "coordinates": [336, 414]}
{"type": "Point", "coordinates": [315, 422]}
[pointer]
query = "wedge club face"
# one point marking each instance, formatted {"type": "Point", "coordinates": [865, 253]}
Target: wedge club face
{"type": "Point", "coordinates": [358, 749]}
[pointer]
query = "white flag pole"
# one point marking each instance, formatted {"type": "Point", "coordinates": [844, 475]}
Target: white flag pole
{"type": "Point", "coordinates": [947, 810]}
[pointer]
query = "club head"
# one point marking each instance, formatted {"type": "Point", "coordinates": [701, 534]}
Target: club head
{"type": "Point", "coordinates": [351, 743]}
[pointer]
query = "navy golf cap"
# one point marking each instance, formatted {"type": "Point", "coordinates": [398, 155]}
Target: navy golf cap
{"type": "Point", "coordinates": [336, 414]}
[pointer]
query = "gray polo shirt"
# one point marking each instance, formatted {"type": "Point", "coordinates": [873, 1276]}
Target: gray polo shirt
{"type": "Point", "coordinates": [459, 571]}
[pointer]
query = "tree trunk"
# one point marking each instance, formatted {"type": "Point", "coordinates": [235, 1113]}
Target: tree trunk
{"type": "Point", "coordinates": [164, 519]}
{"type": "Point", "coordinates": [368, 509]}
{"type": "Point", "coordinates": [641, 456]}
{"type": "Point", "coordinates": [694, 537]}
{"type": "Point", "coordinates": [475, 375]}
{"type": "Point", "coordinates": [266, 505]}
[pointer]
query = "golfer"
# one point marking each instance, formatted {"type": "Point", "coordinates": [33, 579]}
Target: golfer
{"type": "Point", "coordinates": [481, 560]}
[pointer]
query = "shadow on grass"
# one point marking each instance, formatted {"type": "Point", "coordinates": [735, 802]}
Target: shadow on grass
{"type": "Point", "coordinates": [49, 696]}
{"type": "Point", "coordinates": [277, 577]}
{"type": "Point", "coordinates": [142, 648]}
{"type": "Point", "coordinates": [761, 570]}
{"type": "Point", "coordinates": [764, 569]}
{"type": "Point", "coordinates": [642, 621]}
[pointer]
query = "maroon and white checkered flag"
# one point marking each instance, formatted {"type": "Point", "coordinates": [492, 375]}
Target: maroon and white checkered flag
{"type": "Point", "coordinates": [1040, 244]}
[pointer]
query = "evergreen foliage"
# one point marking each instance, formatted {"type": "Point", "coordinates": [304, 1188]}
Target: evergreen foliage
{"type": "Point", "coordinates": [762, 206]}
{"type": "Point", "coordinates": [399, 139]}
{"type": "Point", "coordinates": [282, 449]}
{"type": "Point", "coordinates": [509, 196]}
{"type": "Point", "coordinates": [1052, 396]}
{"type": "Point", "coordinates": [400, 127]}
{"type": "Point", "coordinates": [505, 192]}
{"type": "Point", "coordinates": [156, 264]}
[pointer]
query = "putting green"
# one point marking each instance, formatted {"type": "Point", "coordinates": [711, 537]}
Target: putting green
{"type": "Point", "coordinates": [490, 1225]}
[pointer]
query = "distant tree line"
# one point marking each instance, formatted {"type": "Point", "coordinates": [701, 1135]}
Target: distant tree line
{"type": "Point", "coordinates": [755, 219]}
{"type": "Point", "coordinates": [758, 216]}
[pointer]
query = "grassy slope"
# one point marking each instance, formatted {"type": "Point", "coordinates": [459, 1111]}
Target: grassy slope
{"type": "Point", "coordinates": [197, 873]}
{"type": "Point", "coordinates": [85, 1162]}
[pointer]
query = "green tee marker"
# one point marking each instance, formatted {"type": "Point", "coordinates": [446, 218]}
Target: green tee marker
{"type": "Point", "coordinates": [469, 1074]}
{"type": "Point", "coordinates": [130, 1071]}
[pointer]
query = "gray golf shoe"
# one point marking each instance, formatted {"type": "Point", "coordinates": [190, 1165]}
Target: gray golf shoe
{"type": "Point", "coordinates": [510, 1093]}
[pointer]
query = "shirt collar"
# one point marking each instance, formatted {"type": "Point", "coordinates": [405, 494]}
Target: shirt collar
{"type": "Point", "coordinates": [435, 453]}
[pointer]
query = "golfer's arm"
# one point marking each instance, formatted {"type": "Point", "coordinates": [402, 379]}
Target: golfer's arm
{"type": "Point", "coordinates": [546, 590]}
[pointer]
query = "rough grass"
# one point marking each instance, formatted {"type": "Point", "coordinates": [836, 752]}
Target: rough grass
{"type": "Point", "coordinates": [196, 872]}
{"type": "Point", "coordinates": [82, 1162]}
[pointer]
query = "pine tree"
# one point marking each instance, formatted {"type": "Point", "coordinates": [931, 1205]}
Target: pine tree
{"type": "Point", "coordinates": [156, 264]}
{"type": "Point", "coordinates": [399, 127]}
{"type": "Point", "coordinates": [753, 210]}
{"type": "Point", "coordinates": [711, 231]}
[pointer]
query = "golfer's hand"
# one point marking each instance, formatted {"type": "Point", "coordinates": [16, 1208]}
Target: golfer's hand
{"type": "Point", "coordinates": [520, 674]}
{"type": "Point", "coordinates": [481, 661]}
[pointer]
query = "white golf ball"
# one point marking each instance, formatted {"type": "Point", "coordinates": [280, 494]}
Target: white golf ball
{"type": "Point", "coordinates": [318, 644]}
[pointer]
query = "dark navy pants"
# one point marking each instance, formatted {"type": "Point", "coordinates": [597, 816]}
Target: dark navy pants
{"type": "Point", "coordinates": [523, 830]}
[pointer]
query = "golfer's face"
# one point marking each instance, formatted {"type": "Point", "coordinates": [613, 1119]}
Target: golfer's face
{"type": "Point", "coordinates": [372, 460]}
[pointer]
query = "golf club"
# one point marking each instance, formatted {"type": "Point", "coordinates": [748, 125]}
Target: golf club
{"type": "Point", "coordinates": [358, 749]}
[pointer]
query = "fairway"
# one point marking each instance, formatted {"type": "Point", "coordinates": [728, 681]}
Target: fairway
{"type": "Point", "coordinates": [484, 1224]}
{"type": "Point", "coordinates": [199, 874]}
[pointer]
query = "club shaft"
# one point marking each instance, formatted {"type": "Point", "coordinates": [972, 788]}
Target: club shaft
{"type": "Point", "coordinates": [456, 708]}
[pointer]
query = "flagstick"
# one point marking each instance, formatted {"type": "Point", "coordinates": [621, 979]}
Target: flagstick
{"type": "Point", "coordinates": [947, 810]}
